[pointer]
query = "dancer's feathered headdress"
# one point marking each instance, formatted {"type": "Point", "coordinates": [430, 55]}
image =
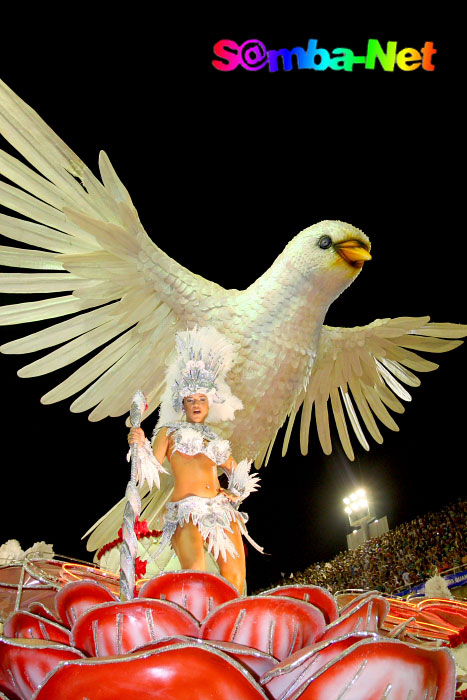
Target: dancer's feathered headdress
{"type": "Point", "coordinates": [203, 359]}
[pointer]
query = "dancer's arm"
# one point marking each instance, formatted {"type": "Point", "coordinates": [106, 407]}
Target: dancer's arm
{"type": "Point", "coordinates": [150, 459]}
{"type": "Point", "coordinates": [228, 467]}
{"type": "Point", "coordinates": [160, 445]}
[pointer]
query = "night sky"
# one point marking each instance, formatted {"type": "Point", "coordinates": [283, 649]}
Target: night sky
{"type": "Point", "coordinates": [224, 169]}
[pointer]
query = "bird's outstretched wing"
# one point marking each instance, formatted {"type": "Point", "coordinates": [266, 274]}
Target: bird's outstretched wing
{"type": "Point", "coordinates": [360, 370]}
{"type": "Point", "coordinates": [87, 242]}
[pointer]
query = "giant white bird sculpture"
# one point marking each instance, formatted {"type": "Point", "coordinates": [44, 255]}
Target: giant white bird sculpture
{"type": "Point", "coordinates": [126, 299]}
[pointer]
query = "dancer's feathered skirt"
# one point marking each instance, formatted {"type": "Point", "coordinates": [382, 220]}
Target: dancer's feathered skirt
{"type": "Point", "coordinates": [212, 517]}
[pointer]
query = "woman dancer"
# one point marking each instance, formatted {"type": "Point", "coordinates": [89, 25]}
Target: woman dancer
{"type": "Point", "coordinates": [200, 514]}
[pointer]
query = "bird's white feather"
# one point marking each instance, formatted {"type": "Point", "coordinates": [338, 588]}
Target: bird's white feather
{"type": "Point", "coordinates": [97, 366]}
{"type": "Point", "coordinates": [39, 260]}
{"type": "Point", "coordinates": [30, 283]}
{"type": "Point", "coordinates": [60, 332]}
{"type": "Point", "coordinates": [354, 419]}
{"type": "Point", "coordinates": [23, 203]}
{"type": "Point", "coordinates": [42, 236]}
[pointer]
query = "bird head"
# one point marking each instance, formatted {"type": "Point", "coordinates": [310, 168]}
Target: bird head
{"type": "Point", "coordinates": [330, 254]}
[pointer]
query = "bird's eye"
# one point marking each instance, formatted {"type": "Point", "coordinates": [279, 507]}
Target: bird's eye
{"type": "Point", "coordinates": [325, 242]}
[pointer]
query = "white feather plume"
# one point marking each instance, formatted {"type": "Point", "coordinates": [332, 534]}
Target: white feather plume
{"type": "Point", "coordinates": [148, 468]}
{"type": "Point", "coordinates": [241, 482]}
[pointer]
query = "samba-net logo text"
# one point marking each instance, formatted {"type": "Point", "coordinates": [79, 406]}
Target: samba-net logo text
{"type": "Point", "coordinates": [252, 55]}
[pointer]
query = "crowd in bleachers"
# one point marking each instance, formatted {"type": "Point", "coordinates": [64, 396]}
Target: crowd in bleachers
{"type": "Point", "coordinates": [405, 555]}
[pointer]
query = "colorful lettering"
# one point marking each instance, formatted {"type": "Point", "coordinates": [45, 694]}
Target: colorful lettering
{"type": "Point", "coordinates": [228, 50]}
{"type": "Point", "coordinates": [286, 57]}
{"type": "Point", "coordinates": [252, 55]}
{"type": "Point", "coordinates": [344, 59]}
{"type": "Point", "coordinates": [428, 52]}
{"type": "Point", "coordinates": [408, 59]}
{"type": "Point", "coordinates": [375, 51]}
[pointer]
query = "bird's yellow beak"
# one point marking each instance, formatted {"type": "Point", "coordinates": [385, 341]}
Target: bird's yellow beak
{"type": "Point", "coordinates": [353, 252]}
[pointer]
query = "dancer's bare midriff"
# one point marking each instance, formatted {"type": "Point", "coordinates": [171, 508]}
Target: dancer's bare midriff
{"type": "Point", "coordinates": [195, 475]}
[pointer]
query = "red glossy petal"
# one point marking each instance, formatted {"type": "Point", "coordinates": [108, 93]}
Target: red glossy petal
{"type": "Point", "coordinates": [77, 597]}
{"type": "Point", "coordinates": [24, 664]}
{"type": "Point", "coordinates": [176, 673]}
{"type": "Point", "coordinates": [196, 591]}
{"type": "Point", "coordinates": [365, 616]}
{"type": "Point", "coordinates": [371, 669]}
{"type": "Point", "coordinates": [348, 601]}
{"type": "Point", "coordinates": [255, 661]}
{"type": "Point", "coordinates": [319, 597]}
{"type": "Point", "coordinates": [278, 626]}
{"type": "Point", "coordinates": [29, 626]}
{"type": "Point", "coordinates": [38, 608]}
{"type": "Point", "coordinates": [119, 628]}
{"type": "Point", "coordinates": [286, 678]}
{"type": "Point", "coordinates": [166, 642]}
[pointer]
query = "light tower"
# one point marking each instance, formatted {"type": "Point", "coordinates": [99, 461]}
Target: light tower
{"type": "Point", "coordinates": [361, 514]}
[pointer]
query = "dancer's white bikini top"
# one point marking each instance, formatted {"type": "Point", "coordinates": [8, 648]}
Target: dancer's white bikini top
{"type": "Point", "coordinates": [189, 439]}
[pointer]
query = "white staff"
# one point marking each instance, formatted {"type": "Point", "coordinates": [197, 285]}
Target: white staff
{"type": "Point", "coordinates": [132, 509]}
{"type": "Point", "coordinates": [144, 468]}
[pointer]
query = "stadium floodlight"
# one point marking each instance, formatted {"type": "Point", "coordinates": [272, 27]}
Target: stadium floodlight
{"type": "Point", "coordinates": [358, 508]}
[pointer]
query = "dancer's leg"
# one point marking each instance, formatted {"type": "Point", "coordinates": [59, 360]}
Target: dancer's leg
{"type": "Point", "coordinates": [234, 569]}
{"type": "Point", "coordinates": [188, 544]}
